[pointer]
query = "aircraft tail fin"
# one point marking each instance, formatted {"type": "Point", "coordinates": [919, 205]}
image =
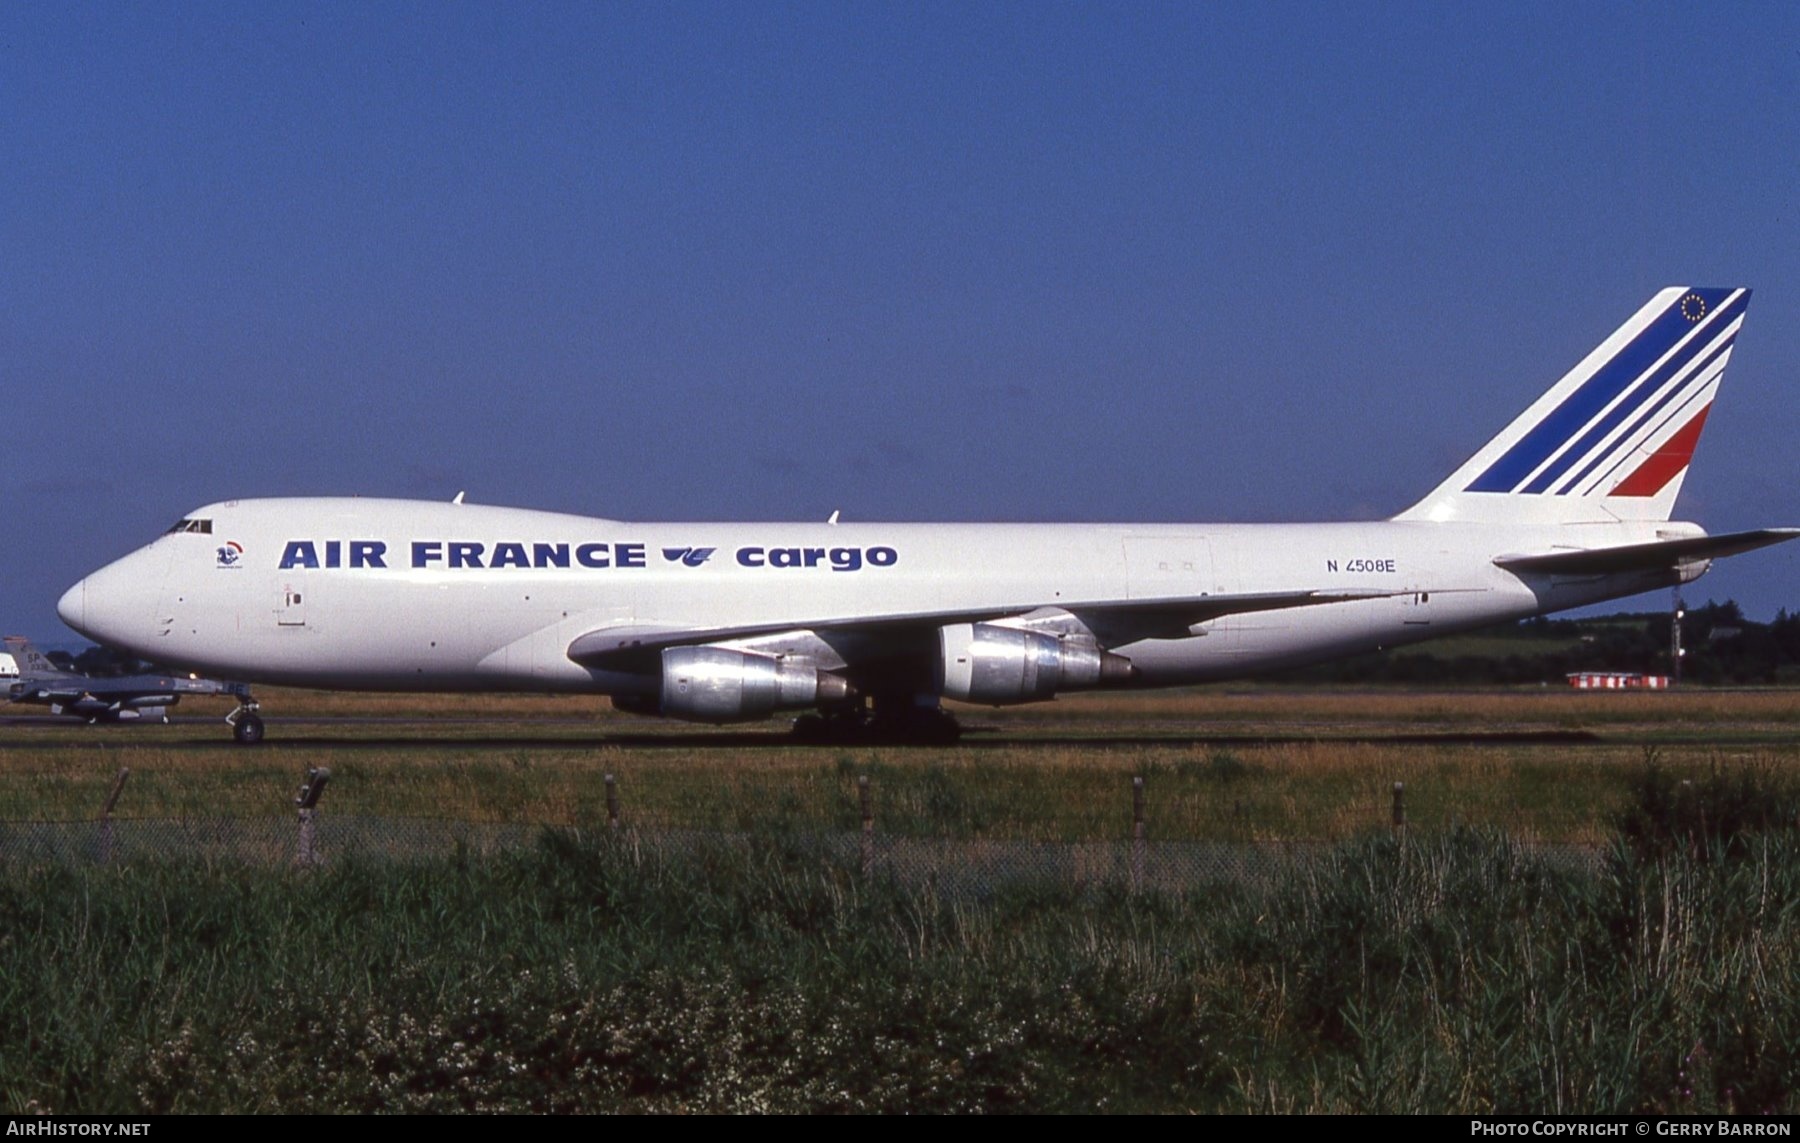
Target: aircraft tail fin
{"type": "Point", "coordinates": [30, 660]}
{"type": "Point", "coordinates": [1613, 438]}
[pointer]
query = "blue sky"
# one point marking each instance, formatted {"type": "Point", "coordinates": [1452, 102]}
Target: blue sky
{"type": "Point", "coordinates": [1199, 262]}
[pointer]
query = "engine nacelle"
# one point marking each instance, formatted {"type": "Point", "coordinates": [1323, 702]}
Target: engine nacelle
{"type": "Point", "coordinates": [720, 684]}
{"type": "Point", "coordinates": [985, 663]}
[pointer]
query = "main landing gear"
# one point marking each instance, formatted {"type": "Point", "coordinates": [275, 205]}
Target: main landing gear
{"type": "Point", "coordinates": [246, 725]}
{"type": "Point", "coordinates": [895, 720]}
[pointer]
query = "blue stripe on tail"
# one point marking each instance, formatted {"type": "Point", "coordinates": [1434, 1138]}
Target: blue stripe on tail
{"type": "Point", "coordinates": [1670, 368]}
{"type": "Point", "coordinates": [1686, 387]}
{"type": "Point", "coordinates": [1612, 379]}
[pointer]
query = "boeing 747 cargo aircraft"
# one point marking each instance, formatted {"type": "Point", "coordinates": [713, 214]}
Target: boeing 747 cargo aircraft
{"type": "Point", "coordinates": [868, 626]}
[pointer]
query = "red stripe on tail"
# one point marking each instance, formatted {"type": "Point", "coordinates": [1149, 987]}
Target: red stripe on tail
{"type": "Point", "coordinates": [1655, 473]}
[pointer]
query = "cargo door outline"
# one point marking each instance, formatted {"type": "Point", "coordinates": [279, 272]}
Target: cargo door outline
{"type": "Point", "coordinates": [1167, 567]}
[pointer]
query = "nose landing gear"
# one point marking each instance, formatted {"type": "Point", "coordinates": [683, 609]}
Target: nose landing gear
{"type": "Point", "coordinates": [246, 725]}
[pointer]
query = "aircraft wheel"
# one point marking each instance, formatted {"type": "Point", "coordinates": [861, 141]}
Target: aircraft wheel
{"type": "Point", "coordinates": [248, 730]}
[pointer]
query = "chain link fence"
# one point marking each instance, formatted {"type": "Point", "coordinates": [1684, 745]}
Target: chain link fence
{"type": "Point", "coordinates": [955, 865]}
{"type": "Point", "coordinates": [268, 840]}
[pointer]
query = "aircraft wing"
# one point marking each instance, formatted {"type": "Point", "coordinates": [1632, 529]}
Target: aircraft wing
{"type": "Point", "coordinates": [1644, 557]}
{"type": "Point", "coordinates": [637, 647]}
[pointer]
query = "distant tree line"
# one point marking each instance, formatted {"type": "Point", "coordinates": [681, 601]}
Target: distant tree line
{"type": "Point", "coordinates": [1722, 648]}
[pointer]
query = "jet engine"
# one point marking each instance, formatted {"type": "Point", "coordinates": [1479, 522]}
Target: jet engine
{"type": "Point", "coordinates": [720, 684]}
{"type": "Point", "coordinates": [986, 663]}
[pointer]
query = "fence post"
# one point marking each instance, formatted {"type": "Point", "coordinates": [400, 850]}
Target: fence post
{"type": "Point", "coordinates": [106, 826]}
{"type": "Point", "coordinates": [612, 803]}
{"type": "Point", "coordinates": [1137, 833]}
{"type": "Point", "coordinates": [1400, 808]}
{"type": "Point", "coordinates": [1697, 835]}
{"type": "Point", "coordinates": [308, 802]}
{"type": "Point", "coordinates": [868, 824]}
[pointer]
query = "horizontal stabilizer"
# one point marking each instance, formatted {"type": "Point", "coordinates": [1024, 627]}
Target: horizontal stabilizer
{"type": "Point", "coordinates": [1645, 557]}
{"type": "Point", "coordinates": [638, 648]}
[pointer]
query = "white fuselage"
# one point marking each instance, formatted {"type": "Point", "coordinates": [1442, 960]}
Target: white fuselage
{"type": "Point", "coordinates": [429, 596]}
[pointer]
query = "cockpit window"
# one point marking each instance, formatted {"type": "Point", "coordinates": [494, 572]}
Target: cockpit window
{"type": "Point", "coordinates": [204, 526]}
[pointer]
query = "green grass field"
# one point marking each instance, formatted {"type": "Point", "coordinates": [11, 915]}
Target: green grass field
{"type": "Point", "coordinates": [1458, 974]}
{"type": "Point", "coordinates": [1239, 765]}
{"type": "Point", "coordinates": [1447, 970]}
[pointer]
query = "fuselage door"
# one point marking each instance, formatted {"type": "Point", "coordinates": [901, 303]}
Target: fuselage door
{"type": "Point", "coordinates": [292, 612]}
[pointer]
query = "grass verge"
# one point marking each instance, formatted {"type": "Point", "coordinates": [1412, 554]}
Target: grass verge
{"type": "Point", "coordinates": [1452, 972]}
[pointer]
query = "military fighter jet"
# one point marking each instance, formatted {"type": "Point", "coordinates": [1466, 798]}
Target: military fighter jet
{"type": "Point", "coordinates": [126, 698]}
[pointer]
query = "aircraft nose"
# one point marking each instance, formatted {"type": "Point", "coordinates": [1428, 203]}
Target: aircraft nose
{"type": "Point", "coordinates": [72, 607]}
{"type": "Point", "coordinates": [116, 605]}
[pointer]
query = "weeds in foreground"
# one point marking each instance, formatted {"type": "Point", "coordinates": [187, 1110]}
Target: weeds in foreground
{"type": "Point", "coordinates": [1459, 972]}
